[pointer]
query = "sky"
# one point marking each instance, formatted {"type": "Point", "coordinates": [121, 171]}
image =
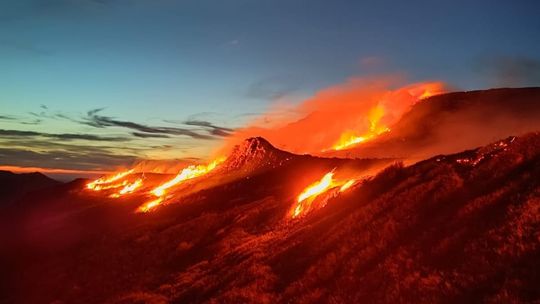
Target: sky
{"type": "Point", "coordinates": [91, 85]}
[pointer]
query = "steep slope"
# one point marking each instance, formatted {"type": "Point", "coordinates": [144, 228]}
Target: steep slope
{"type": "Point", "coordinates": [14, 186]}
{"type": "Point", "coordinates": [255, 154]}
{"type": "Point", "coordinates": [456, 228]}
{"type": "Point", "coordinates": [454, 122]}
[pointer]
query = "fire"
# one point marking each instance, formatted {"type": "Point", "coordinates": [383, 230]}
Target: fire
{"type": "Point", "coordinates": [129, 188]}
{"type": "Point", "coordinates": [105, 182]}
{"type": "Point", "coordinates": [339, 116]}
{"type": "Point", "coordinates": [318, 187]}
{"type": "Point", "coordinates": [385, 108]}
{"type": "Point", "coordinates": [110, 186]}
{"type": "Point", "coordinates": [347, 185]}
{"type": "Point", "coordinates": [304, 201]}
{"type": "Point", "coordinates": [187, 173]}
{"type": "Point", "coordinates": [349, 138]}
{"type": "Point", "coordinates": [150, 205]}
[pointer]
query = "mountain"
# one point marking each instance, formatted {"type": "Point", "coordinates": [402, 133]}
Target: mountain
{"type": "Point", "coordinates": [453, 122]}
{"type": "Point", "coordinates": [255, 154]}
{"type": "Point", "coordinates": [450, 229]}
{"type": "Point", "coordinates": [15, 186]}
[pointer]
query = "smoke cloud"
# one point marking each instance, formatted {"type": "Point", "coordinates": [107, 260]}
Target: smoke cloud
{"type": "Point", "coordinates": [317, 123]}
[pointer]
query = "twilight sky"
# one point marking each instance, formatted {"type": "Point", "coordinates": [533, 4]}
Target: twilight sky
{"type": "Point", "coordinates": [91, 85]}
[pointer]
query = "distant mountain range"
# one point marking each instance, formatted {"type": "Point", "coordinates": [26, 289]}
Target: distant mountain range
{"type": "Point", "coordinates": [14, 186]}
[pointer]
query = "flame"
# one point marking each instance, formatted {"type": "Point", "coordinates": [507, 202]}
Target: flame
{"type": "Point", "coordinates": [317, 188]}
{"type": "Point", "coordinates": [347, 185]}
{"type": "Point", "coordinates": [187, 173]}
{"type": "Point", "coordinates": [349, 138]}
{"type": "Point", "coordinates": [129, 188]}
{"type": "Point", "coordinates": [380, 110]}
{"type": "Point", "coordinates": [150, 205]}
{"type": "Point", "coordinates": [104, 182]}
{"type": "Point", "coordinates": [304, 201]}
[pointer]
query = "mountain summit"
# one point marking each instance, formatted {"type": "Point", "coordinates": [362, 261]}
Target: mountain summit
{"type": "Point", "coordinates": [255, 153]}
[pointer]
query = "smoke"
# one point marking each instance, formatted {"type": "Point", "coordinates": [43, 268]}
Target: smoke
{"type": "Point", "coordinates": [506, 71]}
{"type": "Point", "coordinates": [317, 123]}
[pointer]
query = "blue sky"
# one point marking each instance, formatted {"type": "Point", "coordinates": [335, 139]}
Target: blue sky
{"type": "Point", "coordinates": [163, 63]}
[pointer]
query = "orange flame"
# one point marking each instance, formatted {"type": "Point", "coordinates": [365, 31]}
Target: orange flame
{"type": "Point", "coordinates": [105, 182]}
{"type": "Point", "coordinates": [379, 111]}
{"type": "Point", "coordinates": [304, 201]}
{"type": "Point", "coordinates": [188, 173]}
{"type": "Point", "coordinates": [348, 138]}
{"type": "Point", "coordinates": [129, 188]}
{"type": "Point", "coordinates": [150, 205]}
{"type": "Point", "coordinates": [347, 185]}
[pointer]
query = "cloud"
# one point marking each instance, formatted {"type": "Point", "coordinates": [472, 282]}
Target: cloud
{"type": "Point", "coordinates": [149, 135]}
{"type": "Point", "coordinates": [63, 136]}
{"type": "Point", "coordinates": [64, 159]}
{"type": "Point", "coordinates": [99, 121]}
{"type": "Point", "coordinates": [510, 71]}
{"type": "Point", "coordinates": [214, 130]}
{"type": "Point", "coordinates": [6, 117]}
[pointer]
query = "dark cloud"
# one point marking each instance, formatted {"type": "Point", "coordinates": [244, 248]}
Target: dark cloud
{"type": "Point", "coordinates": [149, 135]}
{"type": "Point", "coordinates": [214, 130]}
{"type": "Point", "coordinates": [64, 136]}
{"type": "Point", "coordinates": [32, 122]}
{"type": "Point", "coordinates": [506, 71]}
{"type": "Point", "coordinates": [81, 160]}
{"type": "Point", "coordinates": [6, 117]}
{"type": "Point", "coordinates": [99, 121]}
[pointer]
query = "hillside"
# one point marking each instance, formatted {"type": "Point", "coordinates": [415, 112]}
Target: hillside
{"type": "Point", "coordinates": [15, 186]}
{"type": "Point", "coordinates": [454, 228]}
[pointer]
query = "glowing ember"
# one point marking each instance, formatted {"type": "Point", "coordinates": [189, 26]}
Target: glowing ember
{"type": "Point", "coordinates": [305, 200]}
{"type": "Point", "coordinates": [105, 182]}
